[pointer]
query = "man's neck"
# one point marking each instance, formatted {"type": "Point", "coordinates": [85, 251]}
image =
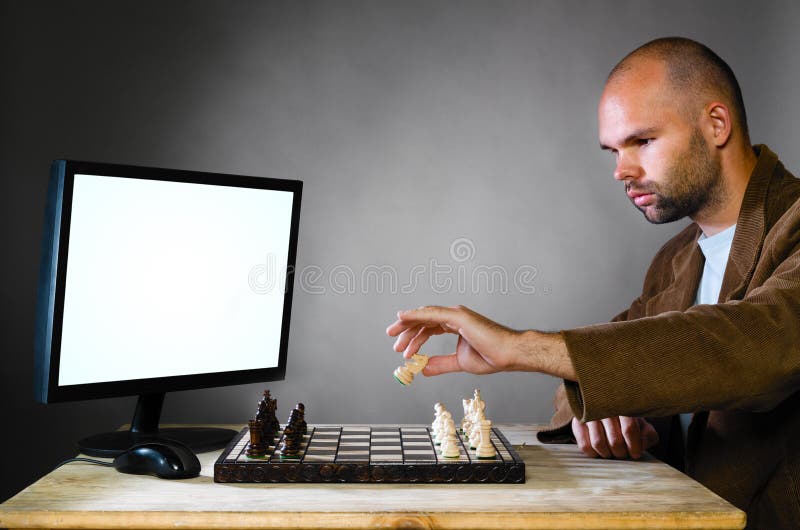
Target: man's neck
{"type": "Point", "coordinates": [736, 170]}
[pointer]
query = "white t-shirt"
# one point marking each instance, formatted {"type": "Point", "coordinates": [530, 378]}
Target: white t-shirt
{"type": "Point", "coordinates": [716, 250]}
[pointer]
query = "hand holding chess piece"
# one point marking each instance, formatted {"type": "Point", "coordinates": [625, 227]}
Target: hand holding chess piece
{"type": "Point", "coordinates": [414, 365]}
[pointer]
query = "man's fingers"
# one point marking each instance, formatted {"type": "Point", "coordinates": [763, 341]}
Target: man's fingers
{"type": "Point", "coordinates": [420, 338]}
{"type": "Point", "coordinates": [441, 364]}
{"type": "Point", "coordinates": [581, 433]}
{"type": "Point", "coordinates": [632, 434]}
{"type": "Point", "coordinates": [448, 317]}
{"type": "Point", "coordinates": [417, 341]}
{"type": "Point", "coordinates": [398, 326]}
{"type": "Point", "coordinates": [597, 436]}
{"type": "Point", "coordinates": [649, 433]}
{"type": "Point", "coordinates": [619, 437]}
{"type": "Point", "coordinates": [614, 437]}
{"type": "Point", "coordinates": [405, 337]}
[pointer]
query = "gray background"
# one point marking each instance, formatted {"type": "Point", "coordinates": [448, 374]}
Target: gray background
{"type": "Point", "coordinates": [413, 124]}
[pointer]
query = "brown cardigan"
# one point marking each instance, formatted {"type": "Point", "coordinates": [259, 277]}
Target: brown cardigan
{"type": "Point", "coordinates": [736, 364]}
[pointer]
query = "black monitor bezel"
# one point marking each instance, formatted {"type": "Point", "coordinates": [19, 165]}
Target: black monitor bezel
{"type": "Point", "coordinates": [58, 217]}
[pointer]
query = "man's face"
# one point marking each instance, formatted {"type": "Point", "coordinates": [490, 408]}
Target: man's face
{"type": "Point", "coordinates": [660, 152]}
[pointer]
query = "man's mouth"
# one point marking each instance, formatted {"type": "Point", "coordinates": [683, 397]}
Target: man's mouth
{"type": "Point", "coordinates": [641, 198]}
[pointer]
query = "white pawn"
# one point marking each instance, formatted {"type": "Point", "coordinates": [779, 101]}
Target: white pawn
{"type": "Point", "coordinates": [466, 424]}
{"type": "Point", "coordinates": [437, 410]}
{"type": "Point", "coordinates": [441, 432]}
{"type": "Point", "coordinates": [485, 448]}
{"type": "Point", "coordinates": [450, 442]}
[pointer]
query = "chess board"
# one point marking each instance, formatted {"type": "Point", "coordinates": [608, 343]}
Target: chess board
{"type": "Point", "coordinates": [366, 453]}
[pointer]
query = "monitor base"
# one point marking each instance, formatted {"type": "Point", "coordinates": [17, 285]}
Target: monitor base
{"type": "Point", "coordinates": [199, 440]}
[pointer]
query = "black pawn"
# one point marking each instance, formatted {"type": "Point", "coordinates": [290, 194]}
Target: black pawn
{"type": "Point", "coordinates": [289, 446]}
{"type": "Point", "coordinates": [302, 426]}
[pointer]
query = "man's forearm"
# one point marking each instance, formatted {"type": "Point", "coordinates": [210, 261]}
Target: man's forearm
{"type": "Point", "coordinates": [537, 351]}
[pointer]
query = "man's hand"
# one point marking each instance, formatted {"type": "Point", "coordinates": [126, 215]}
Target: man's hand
{"type": "Point", "coordinates": [483, 346]}
{"type": "Point", "coordinates": [617, 437]}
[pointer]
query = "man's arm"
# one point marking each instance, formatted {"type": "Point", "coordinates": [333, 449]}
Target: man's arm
{"type": "Point", "coordinates": [486, 347]}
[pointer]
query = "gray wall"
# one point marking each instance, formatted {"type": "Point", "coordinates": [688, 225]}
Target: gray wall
{"type": "Point", "coordinates": [413, 124]}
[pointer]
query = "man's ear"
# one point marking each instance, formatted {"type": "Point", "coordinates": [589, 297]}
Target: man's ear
{"type": "Point", "coordinates": [719, 123]}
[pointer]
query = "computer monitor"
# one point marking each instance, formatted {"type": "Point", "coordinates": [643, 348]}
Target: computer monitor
{"type": "Point", "coordinates": [157, 280]}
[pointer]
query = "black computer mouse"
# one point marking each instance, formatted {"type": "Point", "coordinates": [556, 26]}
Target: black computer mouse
{"type": "Point", "coordinates": [164, 459]}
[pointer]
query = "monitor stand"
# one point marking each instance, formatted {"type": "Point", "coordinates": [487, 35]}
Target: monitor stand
{"type": "Point", "coordinates": [144, 428]}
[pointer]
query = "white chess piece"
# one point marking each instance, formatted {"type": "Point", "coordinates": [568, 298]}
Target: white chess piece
{"type": "Point", "coordinates": [477, 409]}
{"type": "Point", "coordinates": [478, 404]}
{"type": "Point", "coordinates": [465, 423]}
{"type": "Point", "coordinates": [414, 365]}
{"type": "Point", "coordinates": [441, 433]}
{"type": "Point", "coordinates": [475, 433]}
{"type": "Point", "coordinates": [437, 409]}
{"type": "Point", "coordinates": [450, 443]}
{"type": "Point", "coordinates": [485, 448]}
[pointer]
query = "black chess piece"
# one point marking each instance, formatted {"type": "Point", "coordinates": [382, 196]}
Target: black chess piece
{"type": "Point", "coordinates": [302, 426]}
{"type": "Point", "coordinates": [266, 414]}
{"type": "Point", "coordinates": [293, 434]}
{"type": "Point", "coordinates": [272, 418]}
{"type": "Point", "coordinates": [290, 444]}
{"type": "Point", "coordinates": [263, 407]}
{"type": "Point", "coordinates": [256, 448]}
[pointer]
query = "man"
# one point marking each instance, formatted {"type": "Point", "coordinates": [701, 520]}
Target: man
{"type": "Point", "coordinates": [710, 351]}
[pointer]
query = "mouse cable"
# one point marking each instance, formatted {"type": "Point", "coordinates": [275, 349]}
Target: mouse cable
{"type": "Point", "coordinates": [90, 460]}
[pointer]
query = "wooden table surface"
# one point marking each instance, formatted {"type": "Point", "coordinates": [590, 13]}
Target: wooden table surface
{"type": "Point", "coordinates": [563, 489]}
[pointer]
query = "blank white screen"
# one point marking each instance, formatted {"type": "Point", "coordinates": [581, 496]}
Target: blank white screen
{"type": "Point", "coordinates": [157, 280]}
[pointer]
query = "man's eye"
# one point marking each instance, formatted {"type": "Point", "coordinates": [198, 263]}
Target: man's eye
{"type": "Point", "coordinates": [645, 141]}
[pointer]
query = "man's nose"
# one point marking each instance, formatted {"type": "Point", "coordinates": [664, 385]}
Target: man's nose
{"type": "Point", "coordinates": [627, 168]}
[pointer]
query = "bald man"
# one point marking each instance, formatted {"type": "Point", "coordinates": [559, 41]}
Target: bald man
{"type": "Point", "coordinates": [703, 369]}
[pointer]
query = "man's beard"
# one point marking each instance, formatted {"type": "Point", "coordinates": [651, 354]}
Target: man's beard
{"type": "Point", "coordinates": [693, 183]}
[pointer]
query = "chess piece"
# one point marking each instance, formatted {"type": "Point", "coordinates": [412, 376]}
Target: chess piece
{"type": "Point", "coordinates": [478, 404]}
{"type": "Point", "coordinates": [477, 407]}
{"type": "Point", "coordinates": [485, 449]}
{"type": "Point", "coordinates": [262, 408]}
{"type": "Point", "coordinates": [414, 365]}
{"type": "Point", "coordinates": [475, 433]}
{"type": "Point", "coordinates": [438, 408]}
{"type": "Point", "coordinates": [441, 432]}
{"type": "Point", "coordinates": [450, 443]}
{"type": "Point", "coordinates": [272, 418]}
{"type": "Point", "coordinates": [266, 414]}
{"type": "Point", "coordinates": [302, 426]}
{"type": "Point", "coordinates": [466, 424]}
{"type": "Point", "coordinates": [256, 448]}
{"type": "Point", "coordinates": [292, 435]}
{"type": "Point", "coordinates": [289, 447]}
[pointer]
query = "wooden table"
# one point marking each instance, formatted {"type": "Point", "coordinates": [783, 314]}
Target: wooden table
{"type": "Point", "coordinates": [563, 489]}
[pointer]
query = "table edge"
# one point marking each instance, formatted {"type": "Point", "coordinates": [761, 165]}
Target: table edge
{"type": "Point", "coordinates": [734, 519]}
